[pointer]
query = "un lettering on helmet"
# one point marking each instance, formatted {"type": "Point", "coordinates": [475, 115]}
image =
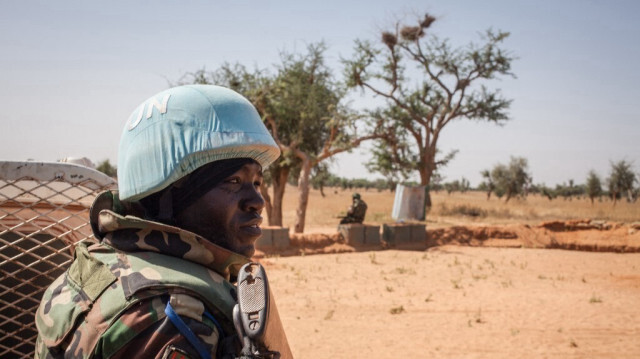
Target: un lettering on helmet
{"type": "Point", "coordinates": [149, 106]}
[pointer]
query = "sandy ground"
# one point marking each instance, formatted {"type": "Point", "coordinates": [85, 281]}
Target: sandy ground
{"type": "Point", "coordinates": [460, 302]}
{"type": "Point", "coordinates": [504, 285]}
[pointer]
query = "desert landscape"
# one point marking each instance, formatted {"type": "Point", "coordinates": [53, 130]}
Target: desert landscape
{"type": "Point", "coordinates": [516, 98]}
{"type": "Point", "coordinates": [526, 279]}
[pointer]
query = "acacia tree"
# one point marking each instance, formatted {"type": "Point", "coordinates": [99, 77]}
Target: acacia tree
{"type": "Point", "coordinates": [304, 108]}
{"type": "Point", "coordinates": [488, 184]}
{"type": "Point", "coordinates": [426, 84]}
{"type": "Point", "coordinates": [593, 186]}
{"type": "Point", "coordinates": [511, 180]}
{"type": "Point", "coordinates": [307, 101]}
{"type": "Point", "coordinates": [621, 181]}
{"type": "Point", "coordinates": [546, 191]}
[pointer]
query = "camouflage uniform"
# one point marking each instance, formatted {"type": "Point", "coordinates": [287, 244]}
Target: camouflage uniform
{"type": "Point", "coordinates": [120, 298]}
{"type": "Point", "coordinates": [356, 212]}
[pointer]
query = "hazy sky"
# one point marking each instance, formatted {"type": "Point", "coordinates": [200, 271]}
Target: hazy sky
{"type": "Point", "coordinates": [71, 72]}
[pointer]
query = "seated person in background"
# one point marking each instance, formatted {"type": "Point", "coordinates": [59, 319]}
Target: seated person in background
{"type": "Point", "coordinates": [356, 212]}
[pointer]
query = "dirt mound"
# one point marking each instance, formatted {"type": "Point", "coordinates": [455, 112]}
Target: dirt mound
{"type": "Point", "coordinates": [584, 234]}
{"type": "Point", "coordinates": [315, 240]}
{"type": "Point", "coordinates": [310, 243]}
{"type": "Point", "coordinates": [470, 235]}
{"type": "Point", "coordinates": [491, 236]}
{"type": "Point", "coordinates": [578, 225]}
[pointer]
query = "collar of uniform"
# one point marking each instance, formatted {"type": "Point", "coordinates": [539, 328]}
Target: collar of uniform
{"type": "Point", "coordinates": [133, 234]}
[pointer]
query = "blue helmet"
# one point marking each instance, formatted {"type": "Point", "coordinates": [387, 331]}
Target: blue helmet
{"type": "Point", "coordinates": [183, 128]}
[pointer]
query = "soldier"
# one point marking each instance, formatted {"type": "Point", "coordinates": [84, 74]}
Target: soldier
{"type": "Point", "coordinates": [356, 212]}
{"type": "Point", "coordinates": [172, 239]}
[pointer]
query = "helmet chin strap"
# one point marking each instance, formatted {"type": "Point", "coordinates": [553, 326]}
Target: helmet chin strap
{"type": "Point", "coordinates": [165, 210]}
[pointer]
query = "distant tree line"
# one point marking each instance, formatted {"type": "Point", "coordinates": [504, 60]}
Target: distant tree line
{"type": "Point", "coordinates": [323, 179]}
{"type": "Point", "coordinates": [515, 180]}
{"type": "Point", "coordinates": [503, 180]}
{"type": "Point", "coordinates": [462, 185]}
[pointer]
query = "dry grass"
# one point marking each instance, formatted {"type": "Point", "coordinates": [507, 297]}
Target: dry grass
{"type": "Point", "coordinates": [455, 209]}
{"type": "Point", "coordinates": [532, 210]}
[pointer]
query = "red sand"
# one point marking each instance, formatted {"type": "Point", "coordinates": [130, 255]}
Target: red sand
{"type": "Point", "coordinates": [466, 298]}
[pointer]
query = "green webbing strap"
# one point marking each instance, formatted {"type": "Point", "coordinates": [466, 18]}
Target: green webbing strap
{"type": "Point", "coordinates": [89, 274]}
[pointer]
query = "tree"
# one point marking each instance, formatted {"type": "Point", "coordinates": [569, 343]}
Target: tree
{"type": "Point", "coordinates": [436, 182]}
{"type": "Point", "coordinates": [511, 180]}
{"type": "Point", "coordinates": [461, 186]}
{"type": "Point", "coordinates": [488, 184]}
{"type": "Point", "coordinates": [569, 190]}
{"type": "Point", "coordinates": [106, 168]}
{"type": "Point", "coordinates": [320, 124]}
{"type": "Point", "coordinates": [594, 186]}
{"type": "Point", "coordinates": [305, 109]}
{"type": "Point", "coordinates": [448, 84]}
{"type": "Point", "coordinates": [621, 181]}
{"type": "Point", "coordinates": [320, 177]}
{"type": "Point", "coordinates": [451, 186]}
{"type": "Point", "coordinates": [546, 191]}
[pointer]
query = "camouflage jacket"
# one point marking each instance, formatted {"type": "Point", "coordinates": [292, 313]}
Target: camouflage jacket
{"type": "Point", "coordinates": [357, 210]}
{"type": "Point", "coordinates": [121, 298]}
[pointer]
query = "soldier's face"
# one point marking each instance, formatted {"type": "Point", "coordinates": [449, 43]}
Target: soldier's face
{"type": "Point", "coordinates": [229, 214]}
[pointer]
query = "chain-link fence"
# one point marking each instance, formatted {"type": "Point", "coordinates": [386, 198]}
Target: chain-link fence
{"type": "Point", "coordinates": [44, 210]}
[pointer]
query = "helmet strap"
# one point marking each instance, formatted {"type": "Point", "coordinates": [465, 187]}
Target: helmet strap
{"type": "Point", "coordinates": [165, 210]}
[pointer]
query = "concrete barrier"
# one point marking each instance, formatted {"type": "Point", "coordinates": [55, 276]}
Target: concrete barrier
{"type": "Point", "coordinates": [418, 233]}
{"type": "Point", "coordinates": [353, 233]}
{"type": "Point", "coordinates": [371, 234]}
{"type": "Point", "coordinates": [280, 237]}
{"type": "Point", "coordinates": [358, 234]}
{"type": "Point", "coordinates": [399, 233]}
{"type": "Point", "coordinates": [395, 233]}
{"type": "Point", "coordinates": [266, 240]}
{"type": "Point", "coordinates": [274, 237]}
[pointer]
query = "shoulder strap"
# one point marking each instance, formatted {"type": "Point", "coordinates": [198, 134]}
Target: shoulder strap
{"type": "Point", "coordinates": [71, 296]}
{"type": "Point", "coordinates": [150, 271]}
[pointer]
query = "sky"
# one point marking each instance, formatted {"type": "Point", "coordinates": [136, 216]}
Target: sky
{"type": "Point", "coordinates": [71, 72]}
